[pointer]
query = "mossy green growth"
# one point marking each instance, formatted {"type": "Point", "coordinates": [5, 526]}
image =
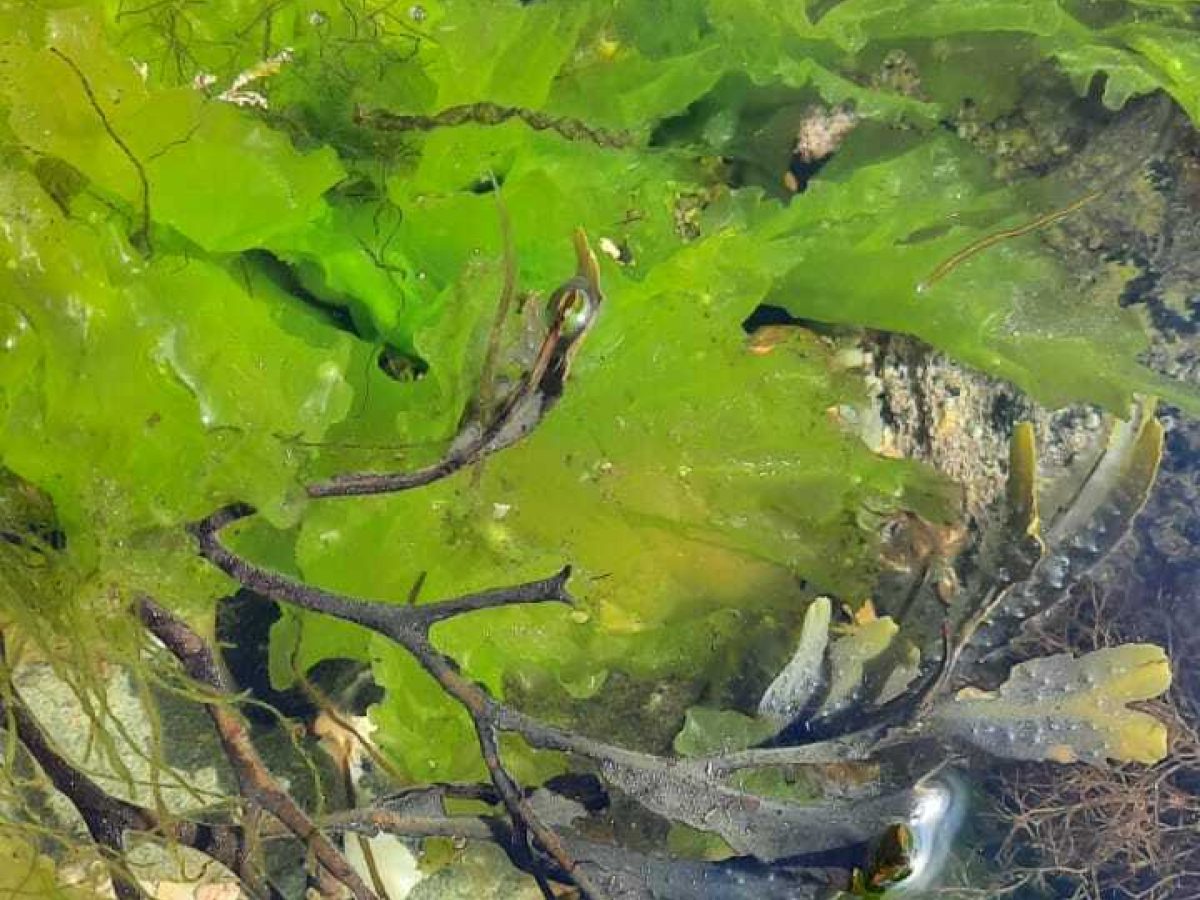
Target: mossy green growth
{"type": "Point", "coordinates": [24, 872]}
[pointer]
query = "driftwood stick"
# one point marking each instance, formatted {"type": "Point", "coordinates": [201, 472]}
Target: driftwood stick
{"type": "Point", "coordinates": [255, 782]}
{"type": "Point", "coordinates": [691, 791]}
{"type": "Point", "coordinates": [409, 626]}
{"type": "Point", "coordinates": [400, 623]}
{"type": "Point", "coordinates": [552, 589]}
{"type": "Point", "coordinates": [109, 819]}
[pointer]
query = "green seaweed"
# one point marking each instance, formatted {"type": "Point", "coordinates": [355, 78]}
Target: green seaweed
{"type": "Point", "coordinates": [24, 872]}
{"type": "Point", "coordinates": [197, 292]}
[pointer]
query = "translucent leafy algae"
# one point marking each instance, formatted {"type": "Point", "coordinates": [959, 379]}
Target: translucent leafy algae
{"type": "Point", "coordinates": [849, 655]}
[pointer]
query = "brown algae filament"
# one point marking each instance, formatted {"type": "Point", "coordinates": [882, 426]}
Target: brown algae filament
{"type": "Point", "coordinates": [948, 265]}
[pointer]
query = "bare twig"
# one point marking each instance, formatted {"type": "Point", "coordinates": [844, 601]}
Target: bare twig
{"type": "Point", "coordinates": [573, 307]}
{"type": "Point", "coordinates": [108, 819]}
{"type": "Point", "coordinates": [255, 781]}
{"type": "Point", "coordinates": [552, 589]}
{"type": "Point", "coordinates": [403, 624]}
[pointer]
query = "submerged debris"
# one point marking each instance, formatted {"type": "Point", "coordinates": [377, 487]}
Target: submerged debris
{"type": "Point", "coordinates": [820, 133]}
{"type": "Point", "coordinates": [239, 92]}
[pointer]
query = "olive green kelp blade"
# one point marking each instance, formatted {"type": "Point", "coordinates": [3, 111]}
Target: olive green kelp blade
{"type": "Point", "coordinates": [1064, 709]}
{"type": "Point", "coordinates": [1084, 531]}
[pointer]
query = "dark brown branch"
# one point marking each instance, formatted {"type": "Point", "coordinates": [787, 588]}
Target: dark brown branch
{"type": "Point", "coordinates": [377, 616]}
{"type": "Point", "coordinates": [573, 307]}
{"type": "Point", "coordinates": [400, 623]}
{"type": "Point", "coordinates": [523, 816]}
{"type": "Point", "coordinates": [108, 819]}
{"type": "Point", "coordinates": [367, 483]}
{"type": "Point", "coordinates": [552, 589]}
{"type": "Point", "coordinates": [409, 627]}
{"type": "Point", "coordinates": [484, 712]}
{"type": "Point", "coordinates": [255, 781]}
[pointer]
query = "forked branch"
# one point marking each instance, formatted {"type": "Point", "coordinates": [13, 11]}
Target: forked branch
{"type": "Point", "coordinates": [409, 626]}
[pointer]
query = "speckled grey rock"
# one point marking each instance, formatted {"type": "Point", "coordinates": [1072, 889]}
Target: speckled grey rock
{"type": "Point", "coordinates": [481, 872]}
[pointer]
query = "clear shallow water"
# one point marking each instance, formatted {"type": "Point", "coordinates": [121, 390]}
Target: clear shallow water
{"type": "Point", "coordinates": [732, 307]}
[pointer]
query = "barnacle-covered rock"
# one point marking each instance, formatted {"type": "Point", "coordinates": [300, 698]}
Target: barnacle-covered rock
{"type": "Point", "coordinates": [1063, 709]}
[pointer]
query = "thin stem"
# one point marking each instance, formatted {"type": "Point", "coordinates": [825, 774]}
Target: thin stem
{"type": "Point", "coordinates": [108, 819]}
{"type": "Point", "coordinates": [255, 781]}
{"type": "Point", "coordinates": [552, 589]}
{"type": "Point", "coordinates": [573, 307]}
{"type": "Point", "coordinates": [494, 114]}
{"type": "Point", "coordinates": [142, 236]}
